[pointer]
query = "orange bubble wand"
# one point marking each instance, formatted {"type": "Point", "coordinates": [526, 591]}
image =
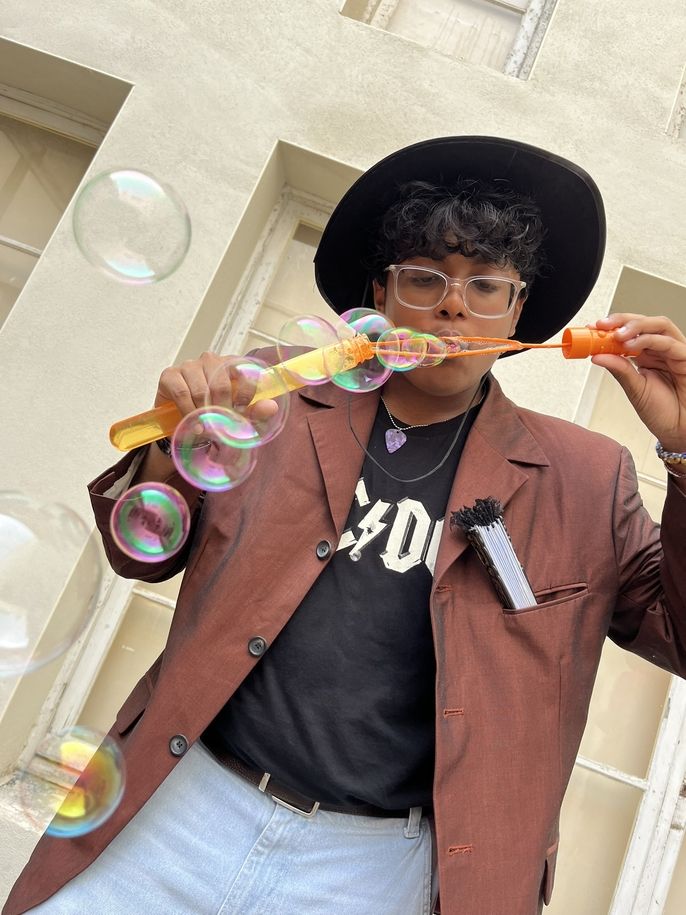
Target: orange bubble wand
{"type": "Point", "coordinates": [331, 360]}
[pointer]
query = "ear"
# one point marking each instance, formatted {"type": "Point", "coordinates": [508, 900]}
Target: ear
{"type": "Point", "coordinates": [379, 293]}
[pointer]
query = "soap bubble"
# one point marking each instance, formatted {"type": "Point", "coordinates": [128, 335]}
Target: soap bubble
{"type": "Point", "coordinates": [302, 335]}
{"type": "Point", "coordinates": [370, 374]}
{"type": "Point", "coordinates": [212, 448]}
{"type": "Point", "coordinates": [436, 350]}
{"type": "Point", "coordinates": [73, 783]}
{"type": "Point", "coordinates": [150, 522]}
{"type": "Point", "coordinates": [401, 349]}
{"type": "Point", "coordinates": [50, 578]}
{"type": "Point", "coordinates": [233, 387]}
{"type": "Point", "coordinates": [367, 321]}
{"type": "Point", "coordinates": [132, 226]}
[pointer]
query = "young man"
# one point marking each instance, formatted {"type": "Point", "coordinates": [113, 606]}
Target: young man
{"type": "Point", "coordinates": [346, 717]}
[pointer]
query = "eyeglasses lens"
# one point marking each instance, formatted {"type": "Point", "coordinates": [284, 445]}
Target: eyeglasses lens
{"type": "Point", "coordinates": [487, 297]}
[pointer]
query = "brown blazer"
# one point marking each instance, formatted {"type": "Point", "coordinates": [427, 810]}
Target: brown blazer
{"type": "Point", "coordinates": [512, 689]}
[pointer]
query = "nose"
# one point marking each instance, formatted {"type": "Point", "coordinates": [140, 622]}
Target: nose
{"type": "Point", "coordinates": [453, 305]}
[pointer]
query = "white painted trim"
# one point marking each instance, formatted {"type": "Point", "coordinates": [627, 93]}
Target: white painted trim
{"type": "Point", "coordinates": [648, 861]}
{"type": "Point", "coordinates": [677, 117]}
{"type": "Point", "coordinates": [292, 208]}
{"type": "Point", "coordinates": [379, 14]}
{"type": "Point", "coordinates": [15, 245]}
{"type": "Point", "coordinates": [529, 38]}
{"type": "Point", "coordinates": [48, 115]}
{"type": "Point", "coordinates": [507, 5]}
{"type": "Point", "coordinates": [675, 838]}
{"type": "Point", "coordinates": [383, 13]}
{"type": "Point", "coordinates": [608, 771]}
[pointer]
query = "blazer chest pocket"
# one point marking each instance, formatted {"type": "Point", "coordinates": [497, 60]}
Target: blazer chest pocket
{"type": "Point", "coordinates": [551, 598]}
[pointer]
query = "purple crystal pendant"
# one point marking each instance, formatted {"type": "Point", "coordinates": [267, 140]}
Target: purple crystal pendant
{"type": "Point", "coordinates": [395, 438]}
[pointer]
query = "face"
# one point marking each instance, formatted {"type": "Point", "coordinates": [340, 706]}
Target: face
{"type": "Point", "coordinates": [462, 373]}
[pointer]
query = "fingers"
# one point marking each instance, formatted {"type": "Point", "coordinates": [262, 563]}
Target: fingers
{"type": "Point", "coordinates": [191, 384]}
{"type": "Point", "coordinates": [659, 330]}
{"type": "Point", "coordinates": [653, 342]}
{"type": "Point", "coordinates": [214, 380]}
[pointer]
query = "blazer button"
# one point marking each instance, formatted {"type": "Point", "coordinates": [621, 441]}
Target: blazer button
{"type": "Point", "coordinates": [257, 646]}
{"type": "Point", "coordinates": [323, 549]}
{"type": "Point", "coordinates": [178, 745]}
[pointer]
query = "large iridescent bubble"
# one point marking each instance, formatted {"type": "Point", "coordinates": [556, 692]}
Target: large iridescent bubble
{"type": "Point", "coordinates": [50, 579]}
{"type": "Point", "coordinates": [370, 374]}
{"type": "Point", "coordinates": [132, 226]}
{"type": "Point", "coordinates": [73, 783]}
{"type": "Point", "coordinates": [234, 387]}
{"type": "Point", "coordinates": [150, 522]}
{"type": "Point", "coordinates": [308, 334]}
{"type": "Point", "coordinates": [212, 448]}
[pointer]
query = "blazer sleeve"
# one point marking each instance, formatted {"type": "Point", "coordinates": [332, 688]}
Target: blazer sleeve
{"type": "Point", "coordinates": [650, 614]}
{"type": "Point", "coordinates": [103, 502]}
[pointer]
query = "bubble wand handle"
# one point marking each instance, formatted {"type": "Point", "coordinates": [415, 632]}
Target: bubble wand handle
{"type": "Point", "coordinates": [143, 428]}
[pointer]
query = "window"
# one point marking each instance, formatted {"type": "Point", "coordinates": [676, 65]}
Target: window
{"type": "Point", "coordinates": [53, 116]}
{"type": "Point", "coordinates": [39, 172]}
{"type": "Point", "coordinates": [502, 34]}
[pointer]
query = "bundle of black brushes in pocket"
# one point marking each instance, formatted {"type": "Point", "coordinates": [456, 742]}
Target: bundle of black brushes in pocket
{"type": "Point", "coordinates": [485, 529]}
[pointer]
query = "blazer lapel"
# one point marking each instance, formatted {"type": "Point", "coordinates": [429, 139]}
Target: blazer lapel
{"type": "Point", "coordinates": [490, 466]}
{"type": "Point", "coordinates": [340, 456]}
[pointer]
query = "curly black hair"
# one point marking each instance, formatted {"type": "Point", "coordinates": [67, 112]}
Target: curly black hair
{"type": "Point", "coordinates": [470, 217]}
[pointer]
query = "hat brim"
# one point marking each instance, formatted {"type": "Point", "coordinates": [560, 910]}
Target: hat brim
{"type": "Point", "coordinates": [569, 200]}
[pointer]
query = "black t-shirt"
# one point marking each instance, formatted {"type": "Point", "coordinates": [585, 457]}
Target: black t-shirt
{"type": "Point", "coordinates": [341, 707]}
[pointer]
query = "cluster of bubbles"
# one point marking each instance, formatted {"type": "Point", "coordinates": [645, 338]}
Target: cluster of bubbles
{"type": "Point", "coordinates": [213, 448]}
{"type": "Point", "coordinates": [136, 230]}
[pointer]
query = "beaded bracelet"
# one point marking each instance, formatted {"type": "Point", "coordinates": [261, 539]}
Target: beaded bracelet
{"type": "Point", "coordinates": [672, 460]}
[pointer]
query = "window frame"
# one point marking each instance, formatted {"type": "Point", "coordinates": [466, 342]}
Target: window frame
{"type": "Point", "coordinates": [535, 19]}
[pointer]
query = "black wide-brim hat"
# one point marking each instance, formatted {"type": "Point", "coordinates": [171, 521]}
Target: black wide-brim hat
{"type": "Point", "coordinates": [569, 200]}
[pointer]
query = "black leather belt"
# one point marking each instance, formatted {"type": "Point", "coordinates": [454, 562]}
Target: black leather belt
{"type": "Point", "coordinates": [287, 797]}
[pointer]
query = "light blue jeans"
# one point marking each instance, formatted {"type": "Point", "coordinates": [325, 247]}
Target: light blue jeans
{"type": "Point", "coordinates": [209, 843]}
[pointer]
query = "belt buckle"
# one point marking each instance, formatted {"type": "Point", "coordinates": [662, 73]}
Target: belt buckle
{"type": "Point", "coordinates": [264, 781]}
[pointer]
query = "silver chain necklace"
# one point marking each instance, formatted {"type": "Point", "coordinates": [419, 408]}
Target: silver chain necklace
{"type": "Point", "coordinates": [472, 403]}
{"type": "Point", "coordinates": [395, 437]}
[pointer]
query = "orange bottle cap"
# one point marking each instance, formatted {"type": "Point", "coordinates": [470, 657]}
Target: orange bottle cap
{"type": "Point", "coordinates": [579, 342]}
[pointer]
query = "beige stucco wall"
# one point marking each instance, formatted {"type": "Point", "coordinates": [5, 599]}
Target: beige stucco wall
{"type": "Point", "coordinates": [216, 84]}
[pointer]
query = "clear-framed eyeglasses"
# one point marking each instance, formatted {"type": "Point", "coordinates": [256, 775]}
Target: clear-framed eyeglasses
{"type": "Point", "coordinates": [483, 296]}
